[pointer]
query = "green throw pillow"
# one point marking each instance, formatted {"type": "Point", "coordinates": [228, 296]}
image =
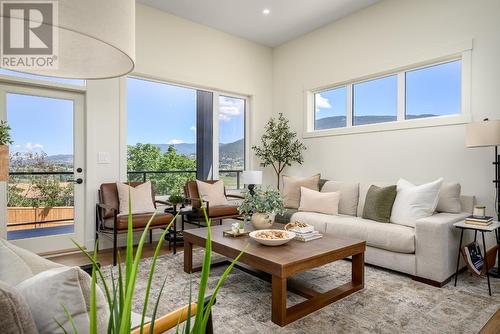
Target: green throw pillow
{"type": "Point", "coordinates": [378, 203]}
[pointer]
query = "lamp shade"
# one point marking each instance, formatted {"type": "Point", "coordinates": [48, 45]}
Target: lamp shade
{"type": "Point", "coordinates": [485, 133]}
{"type": "Point", "coordinates": [252, 177]}
{"type": "Point", "coordinates": [89, 39]}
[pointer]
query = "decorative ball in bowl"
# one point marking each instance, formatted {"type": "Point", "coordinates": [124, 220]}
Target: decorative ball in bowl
{"type": "Point", "coordinates": [272, 237]}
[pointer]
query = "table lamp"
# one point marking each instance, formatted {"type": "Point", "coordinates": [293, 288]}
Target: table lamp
{"type": "Point", "coordinates": [484, 134]}
{"type": "Point", "coordinates": [251, 178]}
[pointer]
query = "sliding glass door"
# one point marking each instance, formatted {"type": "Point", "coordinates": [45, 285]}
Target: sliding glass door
{"type": "Point", "coordinates": [45, 192]}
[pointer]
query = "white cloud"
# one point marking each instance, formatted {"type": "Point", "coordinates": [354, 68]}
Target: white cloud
{"type": "Point", "coordinates": [33, 147]}
{"type": "Point", "coordinates": [193, 128]}
{"type": "Point", "coordinates": [230, 107]}
{"type": "Point", "coordinates": [322, 103]}
{"type": "Point", "coordinates": [175, 141]}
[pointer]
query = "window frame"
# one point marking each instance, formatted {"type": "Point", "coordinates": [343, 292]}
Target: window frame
{"type": "Point", "coordinates": [401, 122]}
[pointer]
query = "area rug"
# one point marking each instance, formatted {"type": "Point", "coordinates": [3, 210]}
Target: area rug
{"type": "Point", "coordinates": [389, 303]}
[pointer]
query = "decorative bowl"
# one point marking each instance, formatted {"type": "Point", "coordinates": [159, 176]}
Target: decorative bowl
{"type": "Point", "coordinates": [257, 236]}
{"type": "Point", "coordinates": [299, 227]}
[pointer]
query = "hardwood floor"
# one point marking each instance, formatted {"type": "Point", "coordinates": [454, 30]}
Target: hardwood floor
{"type": "Point", "coordinates": [493, 325]}
{"type": "Point", "coordinates": [105, 256]}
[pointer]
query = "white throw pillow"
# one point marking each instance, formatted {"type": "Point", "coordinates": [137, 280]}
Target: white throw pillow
{"type": "Point", "coordinates": [213, 193]}
{"type": "Point", "coordinates": [449, 198]}
{"type": "Point", "coordinates": [140, 196]}
{"type": "Point", "coordinates": [321, 202]}
{"type": "Point", "coordinates": [414, 202]}
{"type": "Point", "coordinates": [47, 291]}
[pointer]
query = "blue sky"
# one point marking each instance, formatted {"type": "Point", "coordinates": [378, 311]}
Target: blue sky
{"type": "Point", "coordinates": [40, 124]}
{"type": "Point", "coordinates": [431, 90]}
{"type": "Point", "coordinates": [166, 114]}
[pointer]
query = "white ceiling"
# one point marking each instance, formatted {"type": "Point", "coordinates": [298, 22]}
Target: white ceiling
{"type": "Point", "coordinates": [288, 18]}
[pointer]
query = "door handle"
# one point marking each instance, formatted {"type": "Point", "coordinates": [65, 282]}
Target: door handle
{"type": "Point", "coordinates": [77, 181]}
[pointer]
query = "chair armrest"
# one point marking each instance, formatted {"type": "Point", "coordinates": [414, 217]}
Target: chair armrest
{"type": "Point", "coordinates": [436, 245]}
{"type": "Point", "coordinates": [163, 202]}
{"type": "Point", "coordinates": [170, 320]}
{"type": "Point", "coordinates": [235, 196]}
{"type": "Point", "coordinates": [106, 207]}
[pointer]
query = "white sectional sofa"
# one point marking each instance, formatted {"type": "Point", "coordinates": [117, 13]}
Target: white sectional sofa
{"type": "Point", "coordinates": [427, 252]}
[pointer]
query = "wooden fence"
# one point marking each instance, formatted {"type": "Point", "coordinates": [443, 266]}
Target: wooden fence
{"type": "Point", "coordinates": [17, 217]}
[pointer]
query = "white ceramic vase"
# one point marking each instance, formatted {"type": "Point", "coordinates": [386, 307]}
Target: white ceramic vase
{"type": "Point", "coordinates": [263, 220]}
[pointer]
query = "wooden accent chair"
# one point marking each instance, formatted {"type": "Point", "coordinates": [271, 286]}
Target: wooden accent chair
{"type": "Point", "coordinates": [215, 213]}
{"type": "Point", "coordinates": [110, 224]}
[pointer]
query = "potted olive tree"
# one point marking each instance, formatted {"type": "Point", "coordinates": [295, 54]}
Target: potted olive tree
{"type": "Point", "coordinates": [279, 146]}
{"type": "Point", "coordinates": [262, 206]}
{"type": "Point", "coordinates": [5, 141]}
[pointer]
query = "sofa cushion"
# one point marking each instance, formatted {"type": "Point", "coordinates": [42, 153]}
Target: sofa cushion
{"type": "Point", "coordinates": [15, 312]}
{"type": "Point", "coordinates": [449, 198]}
{"type": "Point", "coordinates": [392, 237]}
{"type": "Point", "coordinates": [291, 189]}
{"type": "Point", "coordinates": [140, 220]}
{"type": "Point", "coordinates": [349, 195]}
{"type": "Point", "coordinates": [363, 189]}
{"type": "Point", "coordinates": [378, 203]}
{"type": "Point", "coordinates": [316, 201]}
{"type": "Point", "coordinates": [414, 202]}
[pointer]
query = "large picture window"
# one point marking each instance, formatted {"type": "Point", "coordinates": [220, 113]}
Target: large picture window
{"type": "Point", "coordinates": [231, 140]}
{"type": "Point", "coordinates": [161, 128]}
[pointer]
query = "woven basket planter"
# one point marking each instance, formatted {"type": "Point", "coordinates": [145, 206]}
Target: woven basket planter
{"type": "Point", "coordinates": [4, 163]}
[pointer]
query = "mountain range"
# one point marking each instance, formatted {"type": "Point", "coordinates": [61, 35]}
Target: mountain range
{"type": "Point", "coordinates": [236, 148]}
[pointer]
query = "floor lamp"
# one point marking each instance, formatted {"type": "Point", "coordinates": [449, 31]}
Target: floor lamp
{"type": "Point", "coordinates": [481, 134]}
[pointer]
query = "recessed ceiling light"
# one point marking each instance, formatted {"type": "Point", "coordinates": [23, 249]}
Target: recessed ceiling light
{"type": "Point", "coordinates": [266, 11]}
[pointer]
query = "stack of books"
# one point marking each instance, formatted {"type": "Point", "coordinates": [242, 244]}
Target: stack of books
{"type": "Point", "coordinates": [481, 221]}
{"type": "Point", "coordinates": [307, 236]}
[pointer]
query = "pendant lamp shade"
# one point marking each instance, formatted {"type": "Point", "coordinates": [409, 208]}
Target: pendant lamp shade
{"type": "Point", "coordinates": [92, 39]}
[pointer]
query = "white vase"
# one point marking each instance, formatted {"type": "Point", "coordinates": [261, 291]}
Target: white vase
{"type": "Point", "coordinates": [263, 220]}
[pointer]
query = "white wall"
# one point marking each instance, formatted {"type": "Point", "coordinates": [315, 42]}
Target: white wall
{"type": "Point", "coordinates": [176, 50]}
{"type": "Point", "coordinates": [391, 34]}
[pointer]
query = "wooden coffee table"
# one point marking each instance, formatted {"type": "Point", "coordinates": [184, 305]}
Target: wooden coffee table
{"type": "Point", "coordinates": [279, 264]}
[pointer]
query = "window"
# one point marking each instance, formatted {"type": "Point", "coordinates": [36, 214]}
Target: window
{"type": "Point", "coordinates": [375, 101]}
{"type": "Point", "coordinates": [433, 91]}
{"type": "Point", "coordinates": [414, 97]}
{"type": "Point", "coordinates": [161, 142]}
{"type": "Point", "coordinates": [330, 109]}
{"type": "Point", "coordinates": [231, 140]}
{"type": "Point", "coordinates": [75, 82]}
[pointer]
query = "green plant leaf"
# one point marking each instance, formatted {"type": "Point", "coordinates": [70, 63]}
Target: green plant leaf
{"type": "Point", "coordinates": [70, 318]}
{"type": "Point", "coordinates": [155, 310]}
{"type": "Point", "coordinates": [93, 304]}
{"type": "Point", "coordinates": [152, 270]}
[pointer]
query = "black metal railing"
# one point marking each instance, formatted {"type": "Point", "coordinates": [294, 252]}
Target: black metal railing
{"type": "Point", "coordinates": [143, 175]}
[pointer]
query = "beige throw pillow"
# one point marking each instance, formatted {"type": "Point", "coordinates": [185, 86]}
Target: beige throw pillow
{"type": "Point", "coordinates": [140, 196]}
{"type": "Point", "coordinates": [15, 312]}
{"type": "Point", "coordinates": [291, 189]}
{"type": "Point", "coordinates": [47, 291]}
{"type": "Point", "coordinates": [449, 198]}
{"type": "Point", "coordinates": [213, 193]}
{"type": "Point", "coordinates": [321, 202]}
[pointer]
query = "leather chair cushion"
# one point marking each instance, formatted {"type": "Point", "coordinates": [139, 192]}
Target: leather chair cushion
{"type": "Point", "coordinates": [223, 210]}
{"type": "Point", "coordinates": [140, 220]}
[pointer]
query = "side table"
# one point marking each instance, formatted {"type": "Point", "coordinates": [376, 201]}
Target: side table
{"type": "Point", "coordinates": [174, 236]}
{"type": "Point", "coordinates": [477, 228]}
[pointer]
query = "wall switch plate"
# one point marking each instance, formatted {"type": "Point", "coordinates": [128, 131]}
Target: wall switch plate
{"type": "Point", "coordinates": [104, 158]}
